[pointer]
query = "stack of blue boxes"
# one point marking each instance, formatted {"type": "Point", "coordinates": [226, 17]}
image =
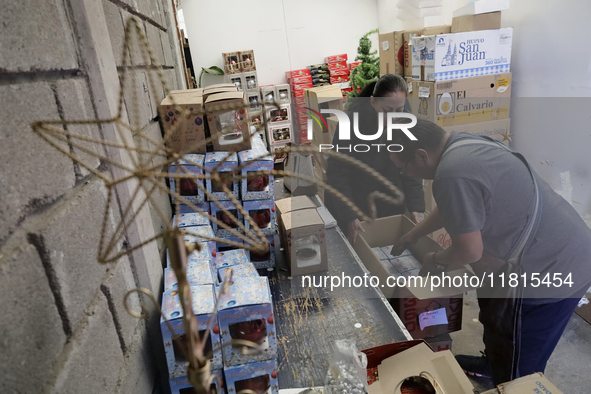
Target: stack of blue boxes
{"type": "Point", "coordinates": [246, 310]}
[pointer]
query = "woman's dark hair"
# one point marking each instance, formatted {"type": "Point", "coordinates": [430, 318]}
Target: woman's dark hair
{"type": "Point", "coordinates": [389, 83]}
{"type": "Point", "coordinates": [428, 134]}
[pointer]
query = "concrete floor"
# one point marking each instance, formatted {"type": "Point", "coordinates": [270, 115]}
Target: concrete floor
{"type": "Point", "coordinates": [569, 367]}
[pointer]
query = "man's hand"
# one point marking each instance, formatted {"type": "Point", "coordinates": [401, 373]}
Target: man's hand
{"type": "Point", "coordinates": [402, 243]}
{"type": "Point", "coordinates": [430, 265]}
{"type": "Point", "coordinates": [415, 217]}
{"type": "Point", "coordinates": [353, 229]}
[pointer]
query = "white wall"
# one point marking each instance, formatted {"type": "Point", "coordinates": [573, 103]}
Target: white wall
{"type": "Point", "coordinates": [551, 108]}
{"type": "Point", "coordinates": [285, 35]}
{"type": "Point", "coordinates": [551, 105]}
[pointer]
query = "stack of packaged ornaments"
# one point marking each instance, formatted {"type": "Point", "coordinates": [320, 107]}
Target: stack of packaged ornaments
{"type": "Point", "coordinates": [339, 72]}
{"type": "Point", "coordinates": [278, 114]}
{"type": "Point", "coordinates": [244, 313]}
{"type": "Point", "coordinates": [299, 80]}
{"type": "Point", "coordinates": [203, 278]}
{"type": "Point", "coordinates": [404, 265]}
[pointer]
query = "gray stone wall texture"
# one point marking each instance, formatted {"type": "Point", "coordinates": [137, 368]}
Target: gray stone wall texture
{"type": "Point", "coordinates": [64, 328]}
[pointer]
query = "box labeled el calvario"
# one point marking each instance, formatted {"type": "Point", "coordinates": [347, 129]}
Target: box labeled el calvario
{"type": "Point", "coordinates": [462, 101]}
{"type": "Point", "coordinates": [461, 55]}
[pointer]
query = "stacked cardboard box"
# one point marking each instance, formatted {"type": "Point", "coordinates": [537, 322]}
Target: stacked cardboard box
{"type": "Point", "coordinates": [425, 313]}
{"type": "Point", "coordinates": [279, 113]}
{"type": "Point", "coordinates": [462, 82]}
{"type": "Point", "coordinates": [302, 232]}
{"type": "Point", "coordinates": [299, 80]}
{"type": "Point", "coordinates": [396, 49]}
{"type": "Point", "coordinates": [340, 73]}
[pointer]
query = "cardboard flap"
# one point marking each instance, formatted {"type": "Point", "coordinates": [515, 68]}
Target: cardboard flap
{"type": "Point", "coordinates": [418, 359]}
{"type": "Point", "coordinates": [225, 96]}
{"type": "Point", "coordinates": [302, 218]}
{"type": "Point", "coordinates": [183, 99]}
{"type": "Point", "coordinates": [534, 383]}
{"type": "Point", "coordinates": [218, 86]}
{"type": "Point", "coordinates": [294, 204]}
{"type": "Point", "coordinates": [198, 92]}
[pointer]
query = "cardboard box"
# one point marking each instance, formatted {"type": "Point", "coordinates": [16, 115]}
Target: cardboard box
{"type": "Point", "coordinates": [585, 310]}
{"type": "Point", "coordinates": [225, 170]}
{"type": "Point", "coordinates": [221, 246]}
{"type": "Point", "coordinates": [415, 361]}
{"type": "Point", "coordinates": [407, 43]}
{"type": "Point", "coordinates": [254, 102]}
{"type": "Point", "coordinates": [246, 312]}
{"type": "Point", "coordinates": [203, 302]}
{"type": "Point", "coordinates": [287, 205]}
{"type": "Point", "coordinates": [180, 385]}
{"type": "Point", "coordinates": [278, 115]}
{"type": "Point", "coordinates": [282, 93]}
{"type": "Point", "coordinates": [190, 188]}
{"type": "Point", "coordinates": [199, 272]}
{"type": "Point", "coordinates": [251, 81]}
{"type": "Point", "coordinates": [180, 118]}
{"type": "Point", "coordinates": [197, 257]}
{"type": "Point", "coordinates": [461, 55]}
{"type": "Point", "coordinates": [246, 270]}
{"type": "Point", "coordinates": [263, 214]}
{"type": "Point", "coordinates": [300, 80]}
{"type": "Point", "coordinates": [268, 94]}
{"type": "Point", "coordinates": [413, 301]}
{"type": "Point", "coordinates": [339, 73]}
{"type": "Point", "coordinates": [198, 92]}
{"type": "Point", "coordinates": [207, 93]}
{"type": "Point", "coordinates": [337, 66]}
{"type": "Point", "coordinates": [260, 186]}
{"type": "Point", "coordinates": [230, 127]}
{"type": "Point", "coordinates": [237, 80]}
{"type": "Point", "coordinates": [231, 62]}
{"type": "Point", "coordinates": [280, 133]}
{"type": "Point", "coordinates": [352, 65]}
{"type": "Point", "coordinates": [259, 377]}
{"type": "Point", "coordinates": [231, 257]}
{"type": "Point", "coordinates": [266, 259]}
{"type": "Point", "coordinates": [534, 383]}
{"type": "Point", "coordinates": [233, 219]}
{"type": "Point", "coordinates": [488, 21]}
{"type": "Point", "coordinates": [201, 234]}
{"type": "Point", "coordinates": [462, 101]}
{"type": "Point", "coordinates": [247, 62]}
{"type": "Point", "coordinates": [327, 97]}
{"type": "Point", "coordinates": [183, 208]}
{"type": "Point", "coordinates": [305, 241]}
{"type": "Point", "coordinates": [391, 46]}
{"type": "Point", "coordinates": [296, 73]}
{"type": "Point", "coordinates": [336, 59]}
{"type": "Point", "coordinates": [190, 219]}
{"type": "Point", "coordinates": [325, 135]}
{"type": "Point", "coordinates": [498, 129]}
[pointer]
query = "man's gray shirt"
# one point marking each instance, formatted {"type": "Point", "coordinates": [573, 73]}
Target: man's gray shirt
{"type": "Point", "coordinates": [486, 188]}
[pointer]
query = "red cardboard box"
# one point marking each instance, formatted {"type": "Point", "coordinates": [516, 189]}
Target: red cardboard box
{"type": "Point", "coordinates": [339, 79]}
{"type": "Point", "coordinates": [352, 65]}
{"type": "Point", "coordinates": [339, 73]}
{"type": "Point", "coordinates": [338, 66]}
{"type": "Point", "coordinates": [300, 80]}
{"type": "Point", "coordinates": [335, 58]}
{"type": "Point", "coordinates": [297, 73]}
{"type": "Point", "coordinates": [440, 343]}
{"type": "Point", "coordinates": [410, 310]}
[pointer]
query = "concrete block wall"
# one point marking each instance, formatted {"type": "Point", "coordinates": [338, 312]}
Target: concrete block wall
{"type": "Point", "coordinates": [64, 326]}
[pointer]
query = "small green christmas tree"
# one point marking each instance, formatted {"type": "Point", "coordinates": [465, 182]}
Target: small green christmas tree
{"type": "Point", "coordinates": [369, 70]}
